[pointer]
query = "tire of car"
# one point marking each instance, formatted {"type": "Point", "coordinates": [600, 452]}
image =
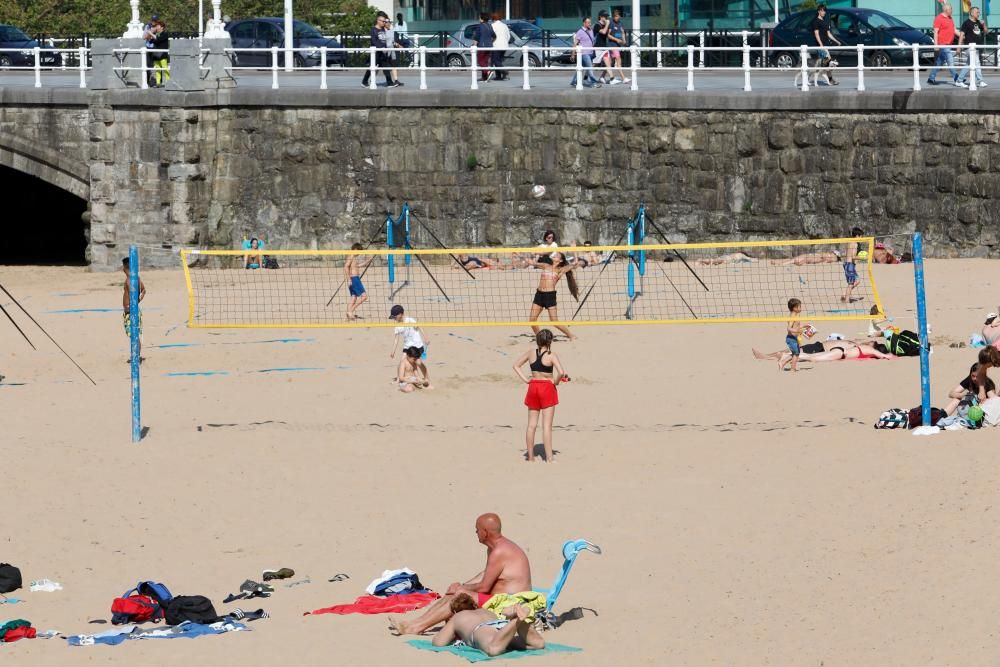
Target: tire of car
{"type": "Point", "coordinates": [456, 60]}
{"type": "Point", "coordinates": [5, 61]}
{"type": "Point", "coordinates": [786, 60]}
{"type": "Point", "coordinates": [299, 61]}
{"type": "Point", "coordinates": [533, 61]}
{"type": "Point", "coordinates": [879, 59]}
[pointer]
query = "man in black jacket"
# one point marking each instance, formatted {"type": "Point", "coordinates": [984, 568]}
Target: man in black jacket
{"type": "Point", "coordinates": [379, 34]}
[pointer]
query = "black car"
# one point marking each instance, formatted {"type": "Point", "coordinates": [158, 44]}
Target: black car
{"type": "Point", "coordinates": [869, 27]}
{"type": "Point", "coordinates": [12, 38]}
{"type": "Point", "coordinates": [264, 33]}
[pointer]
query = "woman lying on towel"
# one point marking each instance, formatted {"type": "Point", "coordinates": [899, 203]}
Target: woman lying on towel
{"type": "Point", "coordinates": [831, 350]}
{"type": "Point", "coordinates": [481, 629]}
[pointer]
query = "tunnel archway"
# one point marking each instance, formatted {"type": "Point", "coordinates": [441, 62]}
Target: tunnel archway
{"type": "Point", "coordinates": [41, 223]}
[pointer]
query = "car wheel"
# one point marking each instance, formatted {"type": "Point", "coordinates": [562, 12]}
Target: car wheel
{"type": "Point", "coordinates": [533, 61]}
{"type": "Point", "coordinates": [456, 61]}
{"type": "Point", "coordinates": [786, 60]}
{"type": "Point", "coordinates": [299, 61]}
{"type": "Point", "coordinates": [880, 59]}
{"type": "Point", "coordinates": [5, 60]}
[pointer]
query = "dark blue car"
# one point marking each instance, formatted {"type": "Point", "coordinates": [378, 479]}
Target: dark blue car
{"type": "Point", "coordinates": [264, 33]}
{"type": "Point", "coordinates": [23, 46]}
{"type": "Point", "coordinates": [869, 27]}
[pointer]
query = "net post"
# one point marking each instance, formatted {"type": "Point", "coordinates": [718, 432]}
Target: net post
{"type": "Point", "coordinates": [391, 260]}
{"type": "Point", "coordinates": [631, 265]}
{"type": "Point", "coordinates": [133, 334]}
{"type": "Point", "coordinates": [925, 374]}
{"type": "Point", "coordinates": [406, 229]}
{"type": "Point", "coordinates": [642, 239]}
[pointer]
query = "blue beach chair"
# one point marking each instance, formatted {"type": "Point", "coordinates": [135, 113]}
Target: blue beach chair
{"type": "Point", "coordinates": [570, 550]}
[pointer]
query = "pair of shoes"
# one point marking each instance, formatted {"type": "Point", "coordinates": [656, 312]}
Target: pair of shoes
{"type": "Point", "coordinates": [394, 84]}
{"type": "Point", "coordinates": [932, 82]}
{"type": "Point", "coordinates": [279, 573]}
{"type": "Point", "coordinates": [959, 84]}
{"type": "Point", "coordinates": [614, 82]}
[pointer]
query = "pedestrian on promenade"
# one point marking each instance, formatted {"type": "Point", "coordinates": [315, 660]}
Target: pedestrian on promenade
{"type": "Point", "coordinates": [485, 37]}
{"type": "Point", "coordinates": [823, 36]}
{"type": "Point", "coordinates": [616, 37]}
{"type": "Point", "coordinates": [584, 38]}
{"type": "Point", "coordinates": [601, 54]}
{"type": "Point", "coordinates": [973, 32]}
{"type": "Point", "coordinates": [501, 42]}
{"type": "Point", "coordinates": [944, 37]}
{"type": "Point", "coordinates": [378, 37]}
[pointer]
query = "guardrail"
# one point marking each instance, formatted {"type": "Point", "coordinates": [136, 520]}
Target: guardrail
{"type": "Point", "coordinates": [643, 63]}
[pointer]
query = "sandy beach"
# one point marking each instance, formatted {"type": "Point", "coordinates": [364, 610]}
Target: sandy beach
{"type": "Point", "coordinates": [747, 516]}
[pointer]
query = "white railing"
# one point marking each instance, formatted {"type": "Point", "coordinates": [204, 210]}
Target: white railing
{"type": "Point", "coordinates": [756, 65]}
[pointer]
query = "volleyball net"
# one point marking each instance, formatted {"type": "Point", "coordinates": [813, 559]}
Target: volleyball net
{"type": "Point", "coordinates": [614, 285]}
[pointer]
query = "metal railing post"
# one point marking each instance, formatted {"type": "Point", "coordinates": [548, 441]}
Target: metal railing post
{"type": "Point", "coordinates": [804, 65]}
{"type": "Point", "coordinates": [274, 68]}
{"type": "Point", "coordinates": [322, 68]}
{"type": "Point", "coordinates": [701, 49]}
{"type": "Point", "coordinates": [659, 53]}
{"type": "Point", "coordinates": [82, 55]}
{"type": "Point", "coordinates": [145, 72]}
{"type": "Point", "coordinates": [38, 66]}
{"type": "Point", "coordinates": [973, 66]}
{"type": "Point", "coordinates": [474, 57]}
{"type": "Point", "coordinates": [861, 68]}
{"type": "Point", "coordinates": [916, 67]}
{"type": "Point", "coordinates": [579, 67]}
{"type": "Point", "coordinates": [372, 72]}
{"type": "Point", "coordinates": [690, 51]}
{"type": "Point", "coordinates": [746, 64]}
{"type": "Point", "coordinates": [525, 67]}
{"type": "Point", "coordinates": [634, 66]}
{"type": "Point", "coordinates": [423, 67]}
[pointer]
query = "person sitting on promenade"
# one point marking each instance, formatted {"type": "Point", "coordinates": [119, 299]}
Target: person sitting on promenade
{"type": "Point", "coordinates": [481, 629]}
{"type": "Point", "coordinates": [507, 571]}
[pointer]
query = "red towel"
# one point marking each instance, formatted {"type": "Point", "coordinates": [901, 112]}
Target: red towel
{"type": "Point", "coordinates": [24, 632]}
{"type": "Point", "coordinates": [371, 604]}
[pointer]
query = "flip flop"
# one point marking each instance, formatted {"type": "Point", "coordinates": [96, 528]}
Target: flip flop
{"type": "Point", "coordinates": [339, 577]}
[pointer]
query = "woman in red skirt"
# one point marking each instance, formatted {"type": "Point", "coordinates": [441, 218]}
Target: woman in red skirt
{"type": "Point", "coordinates": [542, 397]}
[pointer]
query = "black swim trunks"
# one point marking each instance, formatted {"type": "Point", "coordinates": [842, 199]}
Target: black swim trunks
{"type": "Point", "coordinates": [545, 299]}
{"type": "Point", "coordinates": [813, 348]}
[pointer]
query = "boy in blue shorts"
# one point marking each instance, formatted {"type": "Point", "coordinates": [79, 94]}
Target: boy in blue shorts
{"type": "Point", "coordinates": [352, 272]}
{"type": "Point", "coordinates": [850, 269]}
{"type": "Point", "coordinates": [792, 333]}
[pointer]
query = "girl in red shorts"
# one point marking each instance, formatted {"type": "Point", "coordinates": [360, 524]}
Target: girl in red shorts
{"type": "Point", "coordinates": [542, 397]}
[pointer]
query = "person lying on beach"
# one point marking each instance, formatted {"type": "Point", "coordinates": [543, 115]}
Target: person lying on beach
{"type": "Point", "coordinates": [808, 258]}
{"type": "Point", "coordinates": [970, 385]}
{"type": "Point", "coordinates": [841, 351]}
{"type": "Point", "coordinates": [991, 330]}
{"type": "Point", "coordinates": [729, 258]}
{"type": "Point", "coordinates": [472, 262]}
{"type": "Point", "coordinates": [481, 629]}
{"type": "Point", "coordinates": [882, 254]}
{"type": "Point", "coordinates": [507, 571]}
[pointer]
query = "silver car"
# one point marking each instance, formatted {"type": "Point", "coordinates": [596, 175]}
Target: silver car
{"type": "Point", "coordinates": [522, 33]}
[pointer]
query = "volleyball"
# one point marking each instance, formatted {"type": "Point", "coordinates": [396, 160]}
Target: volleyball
{"type": "Point", "coordinates": [538, 191]}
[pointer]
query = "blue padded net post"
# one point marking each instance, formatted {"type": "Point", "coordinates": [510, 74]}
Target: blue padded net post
{"type": "Point", "coordinates": [389, 222]}
{"type": "Point", "coordinates": [133, 334]}
{"type": "Point", "coordinates": [925, 361]}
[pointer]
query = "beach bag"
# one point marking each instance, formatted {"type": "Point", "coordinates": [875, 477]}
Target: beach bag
{"type": "Point", "coordinates": [194, 608]}
{"type": "Point", "coordinates": [916, 417]}
{"type": "Point", "coordinates": [10, 578]}
{"type": "Point", "coordinates": [400, 584]}
{"type": "Point", "coordinates": [152, 589]}
{"type": "Point", "coordinates": [991, 412]}
{"type": "Point", "coordinates": [904, 344]}
{"type": "Point", "coordinates": [135, 609]}
{"type": "Point", "coordinates": [894, 418]}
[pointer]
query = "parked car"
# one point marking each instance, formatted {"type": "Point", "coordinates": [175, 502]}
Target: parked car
{"type": "Point", "coordinates": [264, 33]}
{"type": "Point", "coordinates": [852, 26]}
{"type": "Point", "coordinates": [11, 37]}
{"type": "Point", "coordinates": [522, 33]}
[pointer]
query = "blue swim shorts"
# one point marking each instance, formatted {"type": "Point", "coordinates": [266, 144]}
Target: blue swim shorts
{"type": "Point", "coordinates": [793, 345]}
{"type": "Point", "coordinates": [356, 288]}
{"type": "Point", "coordinates": [851, 273]}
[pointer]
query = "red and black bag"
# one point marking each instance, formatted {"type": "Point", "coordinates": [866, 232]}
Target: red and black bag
{"type": "Point", "coordinates": [135, 609]}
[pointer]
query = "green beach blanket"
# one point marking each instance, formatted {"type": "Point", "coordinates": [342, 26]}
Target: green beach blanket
{"type": "Point", "coordinates": [475, 655]}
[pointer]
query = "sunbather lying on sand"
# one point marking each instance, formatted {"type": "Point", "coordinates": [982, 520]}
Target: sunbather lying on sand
{"type": "Point", "coordinates": [730, 258]}
{"type": "Point", "coordinates": [481, 629]}
{"type": "Point", "coordinates": [808, 258]}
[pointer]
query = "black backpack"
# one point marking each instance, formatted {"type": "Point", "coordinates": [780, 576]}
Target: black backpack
{"type": "Point", "coordinates": [10, 578]}
{"type": "Point", "coordinates": [904, 344]}
{"type": "Point", "coordinates": [194, 608]}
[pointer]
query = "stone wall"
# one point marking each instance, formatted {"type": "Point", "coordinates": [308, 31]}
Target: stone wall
{"type": "Point", "coordinates": [172, 169]}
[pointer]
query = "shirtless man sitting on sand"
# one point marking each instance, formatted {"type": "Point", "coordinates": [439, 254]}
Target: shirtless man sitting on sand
{"type": "Point", "coordinates": [507, 571]}
{"type": "Point", "coordinates": [481, 629]}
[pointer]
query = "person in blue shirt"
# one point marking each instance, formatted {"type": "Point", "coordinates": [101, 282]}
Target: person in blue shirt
{"type": "Point", "coordinates": [484, 35]}
{"type": "Point", "coordinates": [379, 36]}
